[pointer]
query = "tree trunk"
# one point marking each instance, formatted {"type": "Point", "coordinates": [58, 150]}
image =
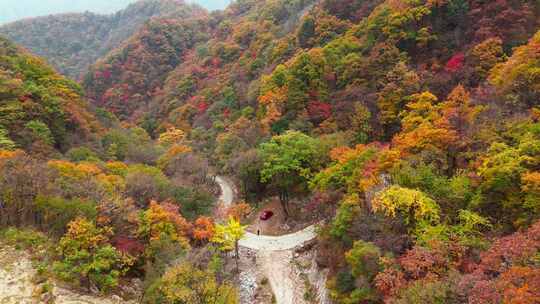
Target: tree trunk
{"type": "Point", "coordinates": [237, 255]}
{"type": "Point", "coordinates": [284, 200]}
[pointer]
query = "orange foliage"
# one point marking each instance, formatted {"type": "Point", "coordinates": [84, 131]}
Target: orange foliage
{"type": "Point", "coordinates": [273, 101]}
{"type": "Point", "coordinates": [82, 230]}
{"type": "Point", "coordinates": [204, 228]}
{"type": "Point", "coordinates": [531, 182]}
{"type": "Point", "coordinates": [6, 155]}
{"type": "Point", "coordinates": [343, 154]}
{"type": "Point", "coordinates": [424, 128]}
{"type": "Point", "coordinates": [116, 167]}
{"type": "Point", "coordinates": [172, 136]}
{"type": "Point", "coordinates": [457, 111]}
{"type": "Point", "coordinates": [73, 170]}
{"type": "Point", "coordinates": [164, 219]}
{"type": "Point", "coordinates": [172, 153]}
{"type": "Point", "coordinates": [84, 172]}
{"type": "Point", "coordinates": [520, 285]}
{"type": "Point", "coordinates": [239, 210]}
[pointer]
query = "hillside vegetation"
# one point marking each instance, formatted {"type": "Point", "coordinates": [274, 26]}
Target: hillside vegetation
{"type": "Point", "coordinates": [39, 108]}
{"type": "Point", "coordinates": [102, 191]}
{"type": "Point", "coordinates": [72, 42]}
{"type": "Point", "coordinates": [320, 103]}
{"type": "Point", "coordinates": [409, 129]}
{"type": "Point", "coordinates": [124, 81]}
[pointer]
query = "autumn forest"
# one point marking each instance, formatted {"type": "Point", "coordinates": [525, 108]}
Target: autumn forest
{"type": "Point", "coordinates": [396, 144]}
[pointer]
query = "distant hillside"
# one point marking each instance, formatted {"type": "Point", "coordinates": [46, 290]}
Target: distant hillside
{"type": "Point", "coordinates": [129, 76]}
{"type": "Point", "coordinates": [14, 10]}
{"type": "Point", "coordinates": [351, 48]}
{"type": "Point", "coordinates": [212, 4]}
{"type": "Point", "coordinates": [71, 42]}
{"type": "Point", "coordinates": [230, 52]}
{"type": "Point", "coordinates": [39, 109]}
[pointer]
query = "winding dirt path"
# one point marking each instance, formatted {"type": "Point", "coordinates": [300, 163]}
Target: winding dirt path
{"type": "Point", "coordinates": [274, 254]}
{"type": "Point", "coordinates": [278, 243]}
{"type": "Point", "coordinates": [227, 192]}
{"type": "Point", "coordinates": [265, 242]}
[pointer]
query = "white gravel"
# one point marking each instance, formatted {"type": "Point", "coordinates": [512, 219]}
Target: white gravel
{"type": "Point", "coordinates": [278, 268]}
{"type": "Point", "coordinates": [278, 243]}
{"type": "Point", "coordinates": [16, 273]}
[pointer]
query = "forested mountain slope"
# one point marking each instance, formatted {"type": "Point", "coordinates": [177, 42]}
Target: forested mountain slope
{"type": "Point", "coordinates": [87, 197]}
{"type": "Point", "coordinates": [39, 109]}
{"type": "Point", "coordinates": [235, 43]}
{"type": "Point", "coordinates": [72, 42]}
{"type": "Point", "coordinates": [125, 80]}
{"type": "Point", "coordinates": [409, 129]}
{"type": "Point", "coordinates": [396, 119]}
{"type": "Point", "coordinates": [311, 67]}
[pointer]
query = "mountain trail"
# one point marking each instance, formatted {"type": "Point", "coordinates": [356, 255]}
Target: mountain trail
{"type": "Point", "coordinates": [274, 254]}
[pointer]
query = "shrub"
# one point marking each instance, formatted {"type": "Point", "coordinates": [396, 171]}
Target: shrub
{"type": "Point", "coordinates": [23, 238]}
{"type": "Point", "coordinates": [81, 154]}
{"type": "Point", "coordinates": [87, 257]}
{"type": "Point", "coordinates": [436, 292]}
{"type": "Point", "coordinates": [193, 202]}
{"type": "Point", "coordinates": [144, 183]}
{"type": "Point", "coordinates": [41, 131]}
{"type": "Point", "coordinates": [364, 259]}
{"type": "Point", "coordinates": [58, 212]}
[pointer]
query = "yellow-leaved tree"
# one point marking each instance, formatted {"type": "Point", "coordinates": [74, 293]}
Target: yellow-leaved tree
{"type": "Point", "coordinates": [414, 206]}
{"type": "Point", "coordinates": [186, 284]}
{"type": "Point", "coordinates": [227, 236]}
{"type": "Point", "coordinates": [172, 136]}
